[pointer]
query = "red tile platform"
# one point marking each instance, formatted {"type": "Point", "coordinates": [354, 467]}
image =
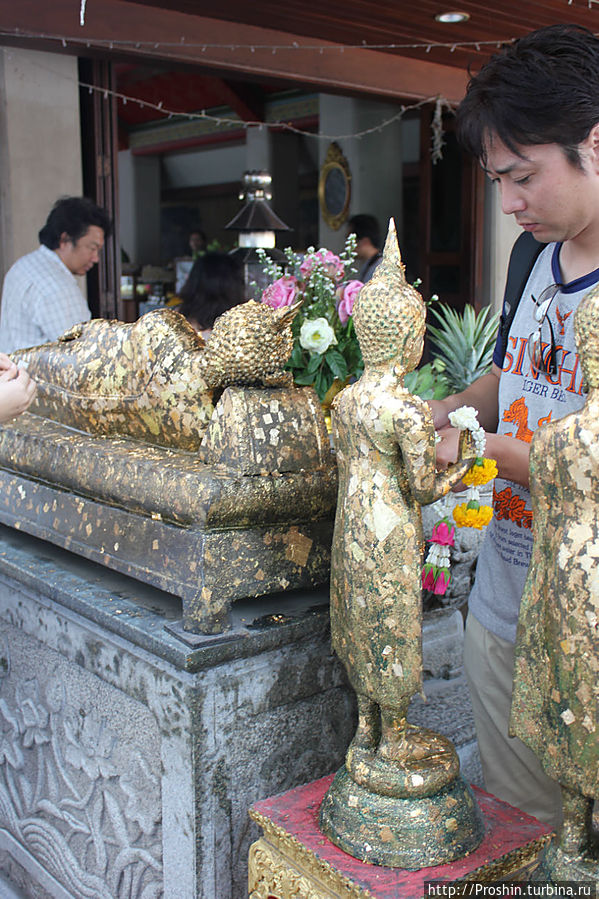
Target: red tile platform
{"type": "Point", "coordinates": [293, 858]}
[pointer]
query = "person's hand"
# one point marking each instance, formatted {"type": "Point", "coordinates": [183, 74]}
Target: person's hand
{"type": "Point", "coordinates": [447, 447]}
{"type": "Point", "coordinates": [17, 391]}
{"type": "Point", "coordinates": [8, 368]}
{"type": "Point", "coordinates": [449, 451]}
{"type": "Point", "coordinates": [440, 414]}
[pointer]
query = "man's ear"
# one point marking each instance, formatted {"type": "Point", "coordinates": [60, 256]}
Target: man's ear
{"type": "Point", "coordinates": [64, 239]}
{"type": "Point", "coordinates": [592, 143]}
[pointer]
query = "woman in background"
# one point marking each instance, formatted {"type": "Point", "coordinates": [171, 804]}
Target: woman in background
{"type": "Point", "coordinates": [215, 284]}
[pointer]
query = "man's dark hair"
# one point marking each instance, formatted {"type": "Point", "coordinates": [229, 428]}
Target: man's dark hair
{"type": "Point", "coordinates": [541, 89]}
{"type": "Point", "coordinates": [364, 225]}
{"type": "Point", "coordinates": [215, 284]}
{"type": "Point", "coordinates": [72, 216]}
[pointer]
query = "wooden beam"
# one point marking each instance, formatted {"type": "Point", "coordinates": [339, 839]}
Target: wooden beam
{"type": "Point", "coordinates": [152, 33]}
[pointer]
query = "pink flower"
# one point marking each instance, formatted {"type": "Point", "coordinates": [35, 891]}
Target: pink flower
{"type": "Point", "coordinates": [331, 264]}
{"type": "Point", "coordinates": [443, 533]}
{"type": "Point", "coordinates": [281, 292]}
{"type": "Point", "coordinates": [441, 581]}
{"type": "Point", "coordinates": [428, 577]}
{"type": "Point", "coordinates": [348, 298]}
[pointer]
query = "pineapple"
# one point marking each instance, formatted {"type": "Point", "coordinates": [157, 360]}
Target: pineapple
{"type": "Point", "coordinates": [464, 343]}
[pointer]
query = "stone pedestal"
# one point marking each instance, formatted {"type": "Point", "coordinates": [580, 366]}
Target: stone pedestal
{"type": "Point", "coordinates": [293, 858]}
{"type": "Point", "coordinates": [129, 758]}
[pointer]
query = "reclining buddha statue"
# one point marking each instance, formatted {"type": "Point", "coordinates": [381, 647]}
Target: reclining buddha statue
{"type": "Point", "coordinates": [157, 379]}
{"type": "Point", "coordinates": [193, 466]}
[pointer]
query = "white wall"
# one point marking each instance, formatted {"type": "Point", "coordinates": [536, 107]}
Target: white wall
{"type": "Point", "coordinates": [375, 161]}
{"type": "Point", "coordinates": [500, 232]}
{"type": "Point", "coordinates": [40, 144]}
{"type": "Point", "coordinates": [139, 207]}
{"type": "Point", "coordinates": [214, 165]}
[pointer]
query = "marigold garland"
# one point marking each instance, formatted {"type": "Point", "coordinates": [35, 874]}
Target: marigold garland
{"type": "Point", "coordinates": [483, 471]}
{"type": "Point", "coordinates": [466, 515]}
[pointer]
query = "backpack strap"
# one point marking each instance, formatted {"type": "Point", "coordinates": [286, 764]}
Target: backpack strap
{"type": "Point", "coordinates": [522, 259]}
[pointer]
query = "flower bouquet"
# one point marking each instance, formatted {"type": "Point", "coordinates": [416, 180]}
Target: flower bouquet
{"type": "Point", "coordinates": [325, 353]}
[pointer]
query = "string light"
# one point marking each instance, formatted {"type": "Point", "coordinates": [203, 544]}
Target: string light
{"type": "Point", "coordinates": [273, 48]}
{"type": "Point", "coordinates": [427, 46]}
{"type": "Point", "coordinates": [275, 126]}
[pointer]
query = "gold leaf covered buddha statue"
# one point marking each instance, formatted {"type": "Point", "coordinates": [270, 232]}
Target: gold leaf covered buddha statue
{"type": "Point", "coordinates": [399, 800]}
{"type": "Point", "coordinates": [555, 703]}
{"type": "Point", "coordinates": [156, 379]}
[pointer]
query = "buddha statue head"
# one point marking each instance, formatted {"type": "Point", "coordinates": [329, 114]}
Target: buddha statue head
{"type": "Point", "coordinates": [249, 346]}
{"type": "Point", "coordinates": [390, 315]}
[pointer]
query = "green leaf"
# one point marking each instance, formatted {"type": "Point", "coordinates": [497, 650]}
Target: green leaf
{"type": "Point", "coordinates": [303, 377]}
{"type": "Point", "coordinates": [314, 362]}
{"type": "Point", "coordinates": [322, 384]}
{"type": "Point", "coordinates": [336, 363]}
{"type": "Point", "coordinates": [296, 359]}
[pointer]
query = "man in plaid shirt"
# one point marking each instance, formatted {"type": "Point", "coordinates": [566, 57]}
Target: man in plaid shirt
{"type": "Point", "coordinates": [40, 297]}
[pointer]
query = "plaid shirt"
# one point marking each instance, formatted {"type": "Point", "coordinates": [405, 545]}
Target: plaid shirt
{"type": "Point", "coordinates": [40, 301]}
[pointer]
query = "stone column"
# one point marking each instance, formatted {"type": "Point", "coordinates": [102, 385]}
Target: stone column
{"type": "Point", "coordinates": [40, 144]}
{"type": "Point", "coordinates": [500, 233]}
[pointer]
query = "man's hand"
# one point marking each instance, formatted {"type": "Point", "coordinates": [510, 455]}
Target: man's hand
{"type": "Point", "coordinates": [440, 414]}
{"type": "Point", "coordinates": [447, 447]}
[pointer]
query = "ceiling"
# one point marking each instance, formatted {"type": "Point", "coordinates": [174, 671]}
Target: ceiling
{"type": "Point", "coordinates": [190, 55]}
{"type": "Point", "coordinates": [354, 23]}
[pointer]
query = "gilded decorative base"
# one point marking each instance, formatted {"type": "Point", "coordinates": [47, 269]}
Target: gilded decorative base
{"type": "Point", "coordinates": [293, 858]}
{"type": "Point", "coordinates": [401, 833]}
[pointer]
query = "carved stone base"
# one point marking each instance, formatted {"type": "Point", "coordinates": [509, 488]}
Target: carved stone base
{"type": "Point", "coordinates": [401, 833]}
{"type": "Point", "coordinates": [294, 858]}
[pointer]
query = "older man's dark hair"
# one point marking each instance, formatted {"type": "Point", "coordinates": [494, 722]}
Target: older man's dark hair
{"type": "Point", "coordinates": [73, 216]}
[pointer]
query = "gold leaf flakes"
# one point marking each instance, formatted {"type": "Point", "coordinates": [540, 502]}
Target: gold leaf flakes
{"type": "Point", "coordinates": [584, 693]}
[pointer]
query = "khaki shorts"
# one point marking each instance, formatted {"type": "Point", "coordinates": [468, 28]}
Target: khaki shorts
{"type": "Point", "coordinates": [511, 770]}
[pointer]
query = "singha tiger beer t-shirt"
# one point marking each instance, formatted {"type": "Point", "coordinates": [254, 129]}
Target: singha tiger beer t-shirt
{"type": "Point", "coordinates": [526, 401]}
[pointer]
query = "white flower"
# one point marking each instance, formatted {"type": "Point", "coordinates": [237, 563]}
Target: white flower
{"type": "Point", "coordinates": [438, 555]}
{"type": "Point", "coordinates": [316, 335]}
{"type": "Point", "coordinates": [465, 418]}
